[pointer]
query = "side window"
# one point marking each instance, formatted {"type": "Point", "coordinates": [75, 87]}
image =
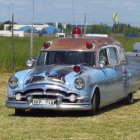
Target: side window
{"type": "Point", "coordinates": [103, 56]}
{"type": "Point", "coordinates": [113, 56]}
{"type": "Point", "coordinates": [122, 55]}
{"type": "Point", "coordinates": [41, 58]}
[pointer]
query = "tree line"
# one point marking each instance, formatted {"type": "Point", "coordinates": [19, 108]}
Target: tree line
{"type": "Point", "coordinates": [119, 28]}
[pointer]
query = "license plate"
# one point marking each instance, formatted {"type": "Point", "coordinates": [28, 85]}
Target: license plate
{"type": "Point", "coordinates": [43, 102]}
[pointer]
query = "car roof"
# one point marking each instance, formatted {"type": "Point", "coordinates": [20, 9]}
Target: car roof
{"type": "Point", "coordinates": [80, 43]}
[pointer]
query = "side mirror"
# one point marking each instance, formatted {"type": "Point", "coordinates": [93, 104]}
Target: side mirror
{"type": "Point", "coordinates": [30, 62]}
{"type": "Point", "coordinates": [102, 64]}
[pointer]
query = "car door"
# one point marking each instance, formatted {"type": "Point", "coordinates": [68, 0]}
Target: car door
{"type": "Point", "coordinates": [111, 89]}
{"type": "Point", "coordinates": [116, 68]}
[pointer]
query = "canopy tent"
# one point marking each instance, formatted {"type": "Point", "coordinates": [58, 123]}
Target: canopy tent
{"type": "Point", "coordinates": [49, 30]}
{"type": "Point", "coordinates": [27, 29]}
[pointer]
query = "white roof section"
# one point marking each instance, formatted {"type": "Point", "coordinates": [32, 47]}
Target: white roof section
{"type": "Point", "coordinates": [97, 35]}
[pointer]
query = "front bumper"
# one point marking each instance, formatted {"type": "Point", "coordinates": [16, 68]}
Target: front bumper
{"type": "Point", "coordinates": [63, 106]}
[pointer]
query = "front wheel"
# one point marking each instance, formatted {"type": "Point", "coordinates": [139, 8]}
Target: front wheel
{"type": "Point", "coordinates": [129, 99]}
{"type": "Point", "coordinates": [19, 112]}
{"type": "Point", "coordinates": [95, 105]}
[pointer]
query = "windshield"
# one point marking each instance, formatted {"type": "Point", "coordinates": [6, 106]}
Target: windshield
{"type": "Point", "coordinates": [66, 57]}
{"type": "Point", "coordinates": [136, 51]}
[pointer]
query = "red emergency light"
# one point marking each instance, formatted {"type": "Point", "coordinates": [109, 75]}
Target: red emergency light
{"type": "Point", "coordinates": [76, 32]}
{"type": "Point", "coordinates": [77, 69]}
{"type": "Point", "coordinates": [89, 45]}
{"type": "Point", "coordinates": [46, 45]}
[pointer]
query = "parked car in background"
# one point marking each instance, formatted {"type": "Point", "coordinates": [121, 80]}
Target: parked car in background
{"type": "Point", "coordinates": [78, 73]}
{"type": "Point", "coordinates": [135, 51]}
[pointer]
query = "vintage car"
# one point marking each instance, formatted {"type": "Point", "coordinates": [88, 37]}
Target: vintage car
{"type": "Point", "coordinates": [77, 73]}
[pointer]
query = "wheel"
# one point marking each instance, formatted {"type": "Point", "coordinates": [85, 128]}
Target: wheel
{"type": "Point", "coordinates": [129, 99]}
{"type": "Point", "coordinates": [19, 111]}
{"type": "Point", "coordinates": [95, 105]}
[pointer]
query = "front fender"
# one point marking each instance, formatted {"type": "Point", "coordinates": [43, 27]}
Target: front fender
{"type": "Point", "coordinates": [21, 75]}
{"type": "Point", "coordinates": [93, 91]}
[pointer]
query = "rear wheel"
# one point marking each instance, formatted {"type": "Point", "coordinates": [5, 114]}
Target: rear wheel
{"type": "Point", "coordinates": [129, 99]}
{"type": "Point", "coordinates": [19, 111]}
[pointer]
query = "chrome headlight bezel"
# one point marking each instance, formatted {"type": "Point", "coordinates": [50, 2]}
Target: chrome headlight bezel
{"type": "Point", "coordinates": [79, 83]}
{"type": "Point", "coordinates": [13, 82]}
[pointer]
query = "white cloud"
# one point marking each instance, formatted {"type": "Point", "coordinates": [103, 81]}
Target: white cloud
{"type": "Point", "coordinates": [130, 5]}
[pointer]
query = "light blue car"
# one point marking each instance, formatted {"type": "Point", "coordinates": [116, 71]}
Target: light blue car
{"type": "Point", "coordinates": [78, 73]}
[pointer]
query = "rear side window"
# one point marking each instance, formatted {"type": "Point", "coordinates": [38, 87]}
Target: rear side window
{"type": "Point", "coordinates": [122, 55]}
{"type": "Point", "coordinates": [113, 56]}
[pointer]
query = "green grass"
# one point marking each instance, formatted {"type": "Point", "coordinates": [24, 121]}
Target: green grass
{"type": "Point", "coordinates": [128, 42]}
{"type": "Point", "coordinates": [115, 122]}
{"type": "Point", "coordinates": [21, 51]}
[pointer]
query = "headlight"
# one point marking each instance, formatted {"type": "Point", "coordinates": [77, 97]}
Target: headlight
{"type": "Point", "coordinates": [79, 83]}
{"type": "Point", "coordinates": [13, 82]}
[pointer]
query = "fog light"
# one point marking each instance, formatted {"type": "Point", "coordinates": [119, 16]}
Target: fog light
{"type": "Point", "coordinates": [73, 98]}
{"type": "Point", "coordinates": [18, 96]}
{"type": "Point", "coordinates": [29, 99]}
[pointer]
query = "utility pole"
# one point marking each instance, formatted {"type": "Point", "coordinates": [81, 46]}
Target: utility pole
{"type": "Point", "coordinates": [32, 33]}
{"type": "Point", "coordinates": [12, 42]}
{"type": "Point", "coordinates": [85, 28]}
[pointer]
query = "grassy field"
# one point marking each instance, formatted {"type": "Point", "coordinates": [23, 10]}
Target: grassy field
{"type": "Point", "coordinates": [115, 122]}
{"type": "Point", "coordinates": [22, 50]}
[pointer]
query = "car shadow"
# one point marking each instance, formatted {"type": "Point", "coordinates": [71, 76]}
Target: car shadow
{"type": "Point", "coordinates": [52, 113]}
{"type": "Point", "coordinates": [114, 106]}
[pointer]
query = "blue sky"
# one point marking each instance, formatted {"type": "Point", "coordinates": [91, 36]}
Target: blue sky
{"type": "Point", "coordinates": [62, 11]}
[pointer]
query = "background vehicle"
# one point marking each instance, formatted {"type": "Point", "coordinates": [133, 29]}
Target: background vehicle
{"type": "Point", "coordinates": [136, 50]}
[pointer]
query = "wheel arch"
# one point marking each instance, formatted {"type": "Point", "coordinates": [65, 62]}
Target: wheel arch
{"type": "Point", "coordinates": [96, 91]}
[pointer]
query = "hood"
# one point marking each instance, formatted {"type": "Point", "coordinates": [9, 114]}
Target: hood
{"type": "Point", "coordinates": [51, 72]}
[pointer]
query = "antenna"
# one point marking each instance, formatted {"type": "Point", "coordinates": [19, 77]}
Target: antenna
{"type": "Point", "coordinates": [12, 40]}
{"type": "Point", "coordinates": [32, 33]}
{"type": "Point", "coordinates": [73, 13]}
{"type": "Point", "coordinates": [85, 28]}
